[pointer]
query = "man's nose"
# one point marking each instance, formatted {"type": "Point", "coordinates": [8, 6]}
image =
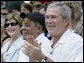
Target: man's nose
{"type": "Point", "coordinates": [50, 20]}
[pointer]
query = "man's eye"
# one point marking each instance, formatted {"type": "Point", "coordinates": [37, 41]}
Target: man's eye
{"type": "Point", "coordinates": [54, 17]}
{"type": "Point", "coordinates": [47, 17]}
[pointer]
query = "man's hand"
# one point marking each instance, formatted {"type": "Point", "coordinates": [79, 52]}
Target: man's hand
{"type": "Point", "coordinates": [32, 49]}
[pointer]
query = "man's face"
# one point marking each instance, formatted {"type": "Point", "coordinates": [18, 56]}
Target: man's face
{"type": "Point", "coordinates": [55, 24]}
{"type": "Point", "coordinates": [29, 28]}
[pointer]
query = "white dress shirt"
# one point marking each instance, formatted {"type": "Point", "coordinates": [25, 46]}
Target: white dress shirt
{"type": "Point", "coordinates": [12, 54]}
{"type": "Point", "coordinates": [69, 48]}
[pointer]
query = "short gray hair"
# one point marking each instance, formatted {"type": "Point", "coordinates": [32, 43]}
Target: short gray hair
{"type": "Point", "coordinates": [65, 10]}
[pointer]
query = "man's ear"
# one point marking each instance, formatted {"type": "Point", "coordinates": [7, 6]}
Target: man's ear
{"type": "Point", "coordinates": [67, 21]}
{"type": "Point", "coordinates": [40, 27]}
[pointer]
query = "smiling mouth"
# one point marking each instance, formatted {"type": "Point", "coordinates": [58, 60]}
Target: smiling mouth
{"type": "Point", "coordinates": [11, 30]}
{"type": "Point", "coordinates": [50, 26]}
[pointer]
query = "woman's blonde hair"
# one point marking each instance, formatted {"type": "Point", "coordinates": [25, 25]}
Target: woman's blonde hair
{"type": "Point", "coordinates": [15, 16]}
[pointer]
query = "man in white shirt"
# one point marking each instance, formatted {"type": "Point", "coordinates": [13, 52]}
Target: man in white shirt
{"type": "Point", "coordinates": [65, 46]}
{"type": "Point", "coordinates": [33, 24]}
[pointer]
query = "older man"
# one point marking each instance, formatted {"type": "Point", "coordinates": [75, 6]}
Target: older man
{"type": "Point", "coordinates": [33, 24]}
{"type": "Point", "coordinates": [65, 45]}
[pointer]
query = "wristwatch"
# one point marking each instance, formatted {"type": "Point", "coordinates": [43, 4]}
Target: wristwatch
{"type": "Point", "coordinates": [44, 60]}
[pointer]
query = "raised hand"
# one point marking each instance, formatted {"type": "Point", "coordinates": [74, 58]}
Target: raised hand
{"type": "Point", "coordinates": [32, 49]}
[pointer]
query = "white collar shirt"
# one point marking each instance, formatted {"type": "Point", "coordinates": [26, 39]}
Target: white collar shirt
{"type": "Point", "coordinates": [69, 48]}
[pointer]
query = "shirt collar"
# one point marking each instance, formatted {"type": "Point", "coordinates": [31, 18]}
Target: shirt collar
{"type": "Point", "coordinates": [64, 36]}
{"type": "Point", "coordinates": [17, 40]}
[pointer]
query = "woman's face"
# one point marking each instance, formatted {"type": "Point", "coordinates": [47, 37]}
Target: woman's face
{"type": "Point", "coordinates": [12, 27]}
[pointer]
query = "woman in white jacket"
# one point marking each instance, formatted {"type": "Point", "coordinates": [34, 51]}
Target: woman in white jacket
{"type": "Point", "coordinates": [12, 47]}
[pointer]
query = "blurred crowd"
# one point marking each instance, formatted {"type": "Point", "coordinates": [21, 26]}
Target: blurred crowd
{"type": "Point", "coordinates": [15, 12]}
{"type": "Point", "coordinates": [40, 6]}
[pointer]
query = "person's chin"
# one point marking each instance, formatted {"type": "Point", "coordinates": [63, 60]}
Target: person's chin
{"type": "Point", "coordinates": [51, 33]}
{"type": "Point", "coordinates": [11, 34]}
